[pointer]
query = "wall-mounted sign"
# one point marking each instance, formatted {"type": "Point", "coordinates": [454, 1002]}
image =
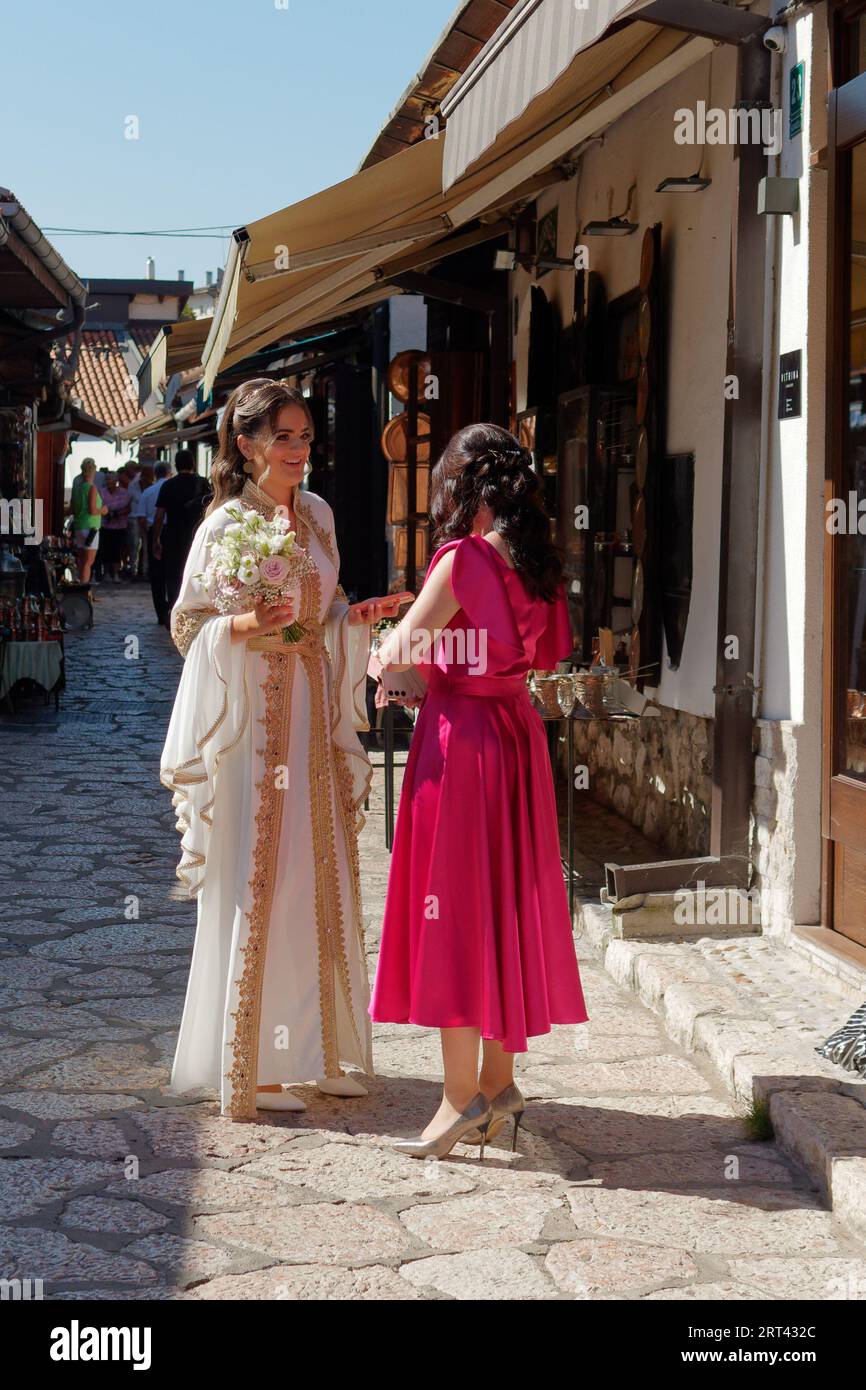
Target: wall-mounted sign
{"type": "Point", "coordinates": [790, 381]}
{"type": "Point", "coordinates": [546, 240]}
{"type": "Point", "coordinates": [796, 89]}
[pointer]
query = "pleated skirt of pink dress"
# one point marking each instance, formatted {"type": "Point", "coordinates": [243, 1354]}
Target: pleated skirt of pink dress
{"type": "Point", "coordinates": [476, 929]}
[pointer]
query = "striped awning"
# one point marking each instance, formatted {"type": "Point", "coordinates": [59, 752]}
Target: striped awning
{"type": "Point", "coordinates": [528, 52]}
{"type": "Point", "coordinates": [338, 250]}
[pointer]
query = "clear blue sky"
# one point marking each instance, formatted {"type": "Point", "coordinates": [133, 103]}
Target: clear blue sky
{"type": "Point", "coordinates": [243, 107]}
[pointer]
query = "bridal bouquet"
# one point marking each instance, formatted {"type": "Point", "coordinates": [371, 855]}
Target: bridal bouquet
{"type": "Point", "coordinates": [256, 559]}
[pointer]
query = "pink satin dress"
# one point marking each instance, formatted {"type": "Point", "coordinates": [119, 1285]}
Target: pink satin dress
{"type": "Point", "coordinates": [476, 929]}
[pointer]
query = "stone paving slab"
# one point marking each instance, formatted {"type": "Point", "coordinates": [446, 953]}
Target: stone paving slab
{"type": "Point", "coordinates": [634, 1176]}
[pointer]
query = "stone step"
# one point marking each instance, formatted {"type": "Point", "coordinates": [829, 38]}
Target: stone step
{"type": "Point", "coordinates": [703, 912]}
{"type": "Point", "coordinates": [729, 1011]}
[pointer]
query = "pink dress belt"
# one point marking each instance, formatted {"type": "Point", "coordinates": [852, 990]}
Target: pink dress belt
{"type": "Point", "coordinates": [499, 687]}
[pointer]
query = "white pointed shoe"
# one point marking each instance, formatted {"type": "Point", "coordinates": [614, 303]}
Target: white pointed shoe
{"type": "Point", "coordinates": [341, 1086]}
{"type": "Point", "coordinates": [278, 1100]}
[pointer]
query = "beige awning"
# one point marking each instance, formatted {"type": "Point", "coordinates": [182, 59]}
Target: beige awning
{"type": "Point", "coordinates": [145, 427]}
{"type": "Point", "coordinates": [343, 243]}
{"type": "Point", "coordinates": [176, 348]}
{"type": "Point", "coordinates": [531, 48]}
{"type": "Point", "coordinates": [184, 343]}
{"type": "Point", "coordinates": [296, 260]}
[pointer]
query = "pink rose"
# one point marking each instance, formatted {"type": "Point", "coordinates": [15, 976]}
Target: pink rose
{"type": "Point", "coordinates": [274, 570]}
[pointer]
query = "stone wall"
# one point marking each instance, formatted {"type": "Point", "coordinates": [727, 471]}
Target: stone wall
{"type": "Point", "coordinates": [656, 773]}
{"type": "Point", "coordinates": [786, 805]}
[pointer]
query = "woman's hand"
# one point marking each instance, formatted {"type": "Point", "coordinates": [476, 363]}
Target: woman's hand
{"type": "Point", "coordinates": [262, 619]}
{"type": "Point", "coordinates": [372, 609]}
{"type": "Point", "coordinates": [381, 700]}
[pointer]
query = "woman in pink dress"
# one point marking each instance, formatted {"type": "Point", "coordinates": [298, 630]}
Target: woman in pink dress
{"type": "Point", "coordinates": [477, 936]}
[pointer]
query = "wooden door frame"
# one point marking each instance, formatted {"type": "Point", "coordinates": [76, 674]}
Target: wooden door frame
{"type": "Point", "coordinates": [841, 14]}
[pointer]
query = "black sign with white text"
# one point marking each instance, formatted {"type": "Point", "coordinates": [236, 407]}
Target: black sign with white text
{"type": "Point", "coordinates": [790, 378]}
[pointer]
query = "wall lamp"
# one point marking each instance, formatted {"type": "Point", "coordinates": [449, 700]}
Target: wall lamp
{"type": "Point", "coordinates": [693, 184]}
{"type": "Point", "coordinates": [614, 226]}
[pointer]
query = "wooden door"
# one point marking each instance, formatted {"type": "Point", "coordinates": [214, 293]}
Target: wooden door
{"type": "Point", "coordinates": [844, 802]}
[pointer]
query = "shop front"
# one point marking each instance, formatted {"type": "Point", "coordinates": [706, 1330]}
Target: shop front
{"type": "Point", "coordinates": [844, 800]}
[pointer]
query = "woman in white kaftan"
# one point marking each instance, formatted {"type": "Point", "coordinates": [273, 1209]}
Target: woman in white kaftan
{"type": "Point", "coordinates": [269, 776]}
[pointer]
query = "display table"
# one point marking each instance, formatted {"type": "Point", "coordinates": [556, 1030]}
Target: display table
{"type": "Point", "coordinates": [41, 662]}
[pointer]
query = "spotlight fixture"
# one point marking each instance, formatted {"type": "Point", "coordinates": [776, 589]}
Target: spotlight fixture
{"type": "Point", "coordinates": [693, 184]}
{"type": "Point", "coordinates": [504, 260]}
{"type": "Point", "coordinates": [614, 226]}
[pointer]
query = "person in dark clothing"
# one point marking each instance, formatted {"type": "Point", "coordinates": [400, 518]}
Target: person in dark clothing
{"type": "Point", "coordinates": [177, 516]}
{"type": "Point", "coordinates": [155, 567]}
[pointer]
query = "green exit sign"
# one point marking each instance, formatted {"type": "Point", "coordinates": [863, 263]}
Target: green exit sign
{"type": "Point", "coordinates": [796, 90]}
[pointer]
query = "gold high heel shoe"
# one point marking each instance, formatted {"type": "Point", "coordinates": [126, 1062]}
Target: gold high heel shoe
{"type": "Point", "coordinates": [476, 1116]}
{"type": "Point", "coordinates": [508, 1102]}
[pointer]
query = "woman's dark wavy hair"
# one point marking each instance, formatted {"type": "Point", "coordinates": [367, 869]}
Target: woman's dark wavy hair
{"type": "Point", "coordinates": [484, 464]}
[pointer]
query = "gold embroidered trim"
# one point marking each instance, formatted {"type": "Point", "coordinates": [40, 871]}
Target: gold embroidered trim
{"type": "Point", "coordinates": [252, 496]}
{"type": "Point", "coordinates": [329, 912]}
{"type": "Point", "coordinates": [243, 1076]}
{"type": "Point", "coordinates": [345, 807]}
{"type": "Point", "coordinates": [186, 625]}
{"type": "Point", "coordinates": [322, 536]}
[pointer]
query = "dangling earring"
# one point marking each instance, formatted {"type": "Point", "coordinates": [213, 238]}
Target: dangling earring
{"type": "Point", "coordinates": [248, 466]}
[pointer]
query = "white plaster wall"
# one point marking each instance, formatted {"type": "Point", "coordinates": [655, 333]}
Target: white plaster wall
{"type": "Point", "coordinates": [640, 149]}
{"type": "Point", "coordinates": [790, 602]}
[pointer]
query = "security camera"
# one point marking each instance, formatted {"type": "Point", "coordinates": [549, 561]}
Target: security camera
{"type": "Point", "coordinates": [776, 39]}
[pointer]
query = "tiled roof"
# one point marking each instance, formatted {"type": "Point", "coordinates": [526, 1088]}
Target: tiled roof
{"type": "Point", "coordinates": [102, 381]}
{"type": "Point", "coordinates": [144, 335]}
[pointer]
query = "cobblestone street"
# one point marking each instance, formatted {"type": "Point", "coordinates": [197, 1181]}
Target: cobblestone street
{"type": "Point", "coordinates": [634, 1178]}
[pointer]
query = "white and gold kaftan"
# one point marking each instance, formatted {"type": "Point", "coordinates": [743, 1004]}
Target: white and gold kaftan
{"type": "Point", "coordinates": [269, 776]}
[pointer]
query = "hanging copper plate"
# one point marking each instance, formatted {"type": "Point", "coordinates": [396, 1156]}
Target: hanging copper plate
{"type": "Point", "coordinates": [642, 457]}
{"type": "Point", "coordinates": [398, 491]}
{"type": "Point", "coordinates": [400, 546]}
{"type": "Point", "coordinates": [638, 525]}
{"type": "Point", "coordinates": [644, 327]}
{"type": "Point", "coordinates": [642, 393]}
{"type": "Point", "coordinates": [634, 654]}
{"type": "Point", "coordinates": [637, 593]}
{"type": "Point", "coordinates": [399, 372]}
{"type": "Point", "coordinates": [395, 438]}
{"type": "Point", "coordinates": [647, 260]}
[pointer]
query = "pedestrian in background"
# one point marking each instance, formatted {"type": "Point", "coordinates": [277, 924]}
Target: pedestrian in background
{"type": "Point", "coordinates": [114, 527]}
{"type": "Point", "coordinates": [155, 566]}
{"type": "Point", "coordinates": [136, 519]}
{"type": "Point", "coordinates": [88, 510]}
{"type": "Point", "coordinates": [173, 526]}
{"type": "Point", "coordinates": [133, 530]}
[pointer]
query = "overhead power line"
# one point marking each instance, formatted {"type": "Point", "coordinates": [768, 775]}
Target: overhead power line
{"type": "Point", "coordinates": [203, 233]}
